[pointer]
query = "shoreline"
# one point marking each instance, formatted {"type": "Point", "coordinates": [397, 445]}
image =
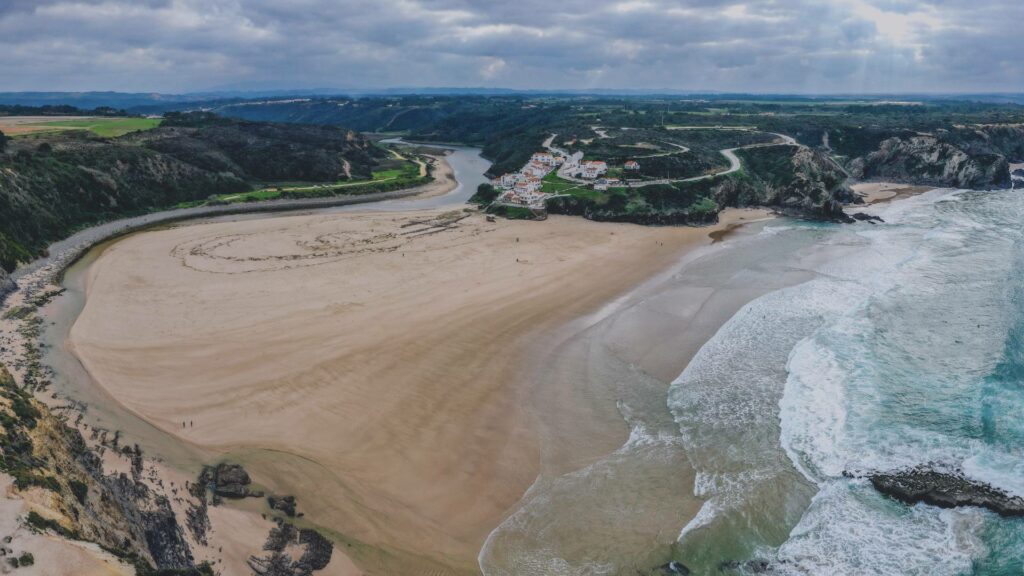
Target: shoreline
{"type": "Point", "coordinates": [882, 192]}
{"type": "Point", "coordinates": [645, 270]}
{"type": "Point", "coordinates": [368, 552]}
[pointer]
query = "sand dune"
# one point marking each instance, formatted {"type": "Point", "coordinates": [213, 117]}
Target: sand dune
{"type": "Point", "coordinates": [372, 364]}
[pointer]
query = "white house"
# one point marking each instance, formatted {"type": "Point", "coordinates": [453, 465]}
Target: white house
{"type": "Point", "coordinates": [509, 180]}
{"type": "Point", "coordinates": [601, 184]}
{"type": "Point", "coordinates": [536, 170]}
{"type": "Point", "coordinates": [543, 158]}
{"type": "Point", "coordinates": [593, 169]}
{"type": "Point", "coordinates": [528, 186]}
{"type": "Point", "coordinates": [632, 165]}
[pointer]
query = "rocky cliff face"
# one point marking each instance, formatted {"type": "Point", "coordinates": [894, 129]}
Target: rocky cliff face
{"type": "Point", "coordinates": [819, 187]}
{"type": "Point", "coordinates": [946, 159]}
{"type": "Point", "coordinates": [116, 511]}
{"type": "Point", "coordinates": [794, 179]}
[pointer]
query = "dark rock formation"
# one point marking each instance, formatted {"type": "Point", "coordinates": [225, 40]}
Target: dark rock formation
{"type": "Point", "coordinates": [153, 517]}
{"type": "Point", "coordinates": [281, 536]}
{"type": "Point", "coordinates": [862, 217]}
{"type": "Point", "coordinates": [318, 549]}
{"type": "Point", "coordinates": [316, 552]}
{"type": "Point", "coordinates": [942, 160]}
{"type": "Point", "coordinates": [284, 504]}
{"type": "Point", "coordinates": [1018, 173]}
{"type": "Point", "coordinates": [747, 567]}
{"type": "Point", "coordinates": [229, 481]}
{"type": "Point", "coordinates": [946, 490]}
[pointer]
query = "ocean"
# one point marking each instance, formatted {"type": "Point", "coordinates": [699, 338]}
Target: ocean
{"type": "Point", "coordinates": [832, 352]}
{"type": "Point", "coordinates": [906, 349]}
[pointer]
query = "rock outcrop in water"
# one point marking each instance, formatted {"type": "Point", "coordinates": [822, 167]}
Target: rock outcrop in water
{"type": "Point", "coordinates": [946, 490]}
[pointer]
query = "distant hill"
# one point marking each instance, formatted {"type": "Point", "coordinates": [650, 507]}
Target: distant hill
{"type": "Point", "coordinates": [52, 184]}
{"type": "Point", "coordinates": [157, 102]}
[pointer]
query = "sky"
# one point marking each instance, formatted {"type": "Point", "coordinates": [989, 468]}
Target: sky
{"type": "Point", "coordinates": [788, 46]}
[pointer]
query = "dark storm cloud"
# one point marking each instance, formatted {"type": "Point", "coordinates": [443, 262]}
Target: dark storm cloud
{"type": "Point", "coordinates": [754, 45]}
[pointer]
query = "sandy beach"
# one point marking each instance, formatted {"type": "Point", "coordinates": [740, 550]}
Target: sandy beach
{"type": "Point", "coordinates": [875, 192]}
{"type": "Point", "coordinates": [374, 364]}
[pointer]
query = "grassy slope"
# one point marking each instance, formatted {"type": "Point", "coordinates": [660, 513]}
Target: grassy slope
{"type": "Point", "coordinates": [405, 175]}
{"type": "Point", "coordinates": [104, 127]}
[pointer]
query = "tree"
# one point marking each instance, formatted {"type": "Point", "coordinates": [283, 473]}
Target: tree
{"type": "Point", "coordinates": [485, 194]}
{"type": "Point", "coordinates": [3, 141]}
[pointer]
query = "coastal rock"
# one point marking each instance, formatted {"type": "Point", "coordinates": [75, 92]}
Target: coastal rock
{"type": "Point", "coordinates": [942, 160]}
{"type": "Point", "coordinates": [280, 537]}
{"type": "Point", "coordinates": [152, 515]}
{"type": "Point", "coordinates": [748, 567]}
{"type": "Point", "coordinates": [229, 481]}
{"type": "Point", "coordinates": [1018, 173]}
{"type": "Point", "coordinates": [318, 549]}
{"type": "Point", "coordinates": [946, 490]}
{"type": "Point", "coordinates": [862, 217]}
{"type": "Point", "coordinates": [284, 504]}
{"type": "Point", "coordinates": [283, 541]}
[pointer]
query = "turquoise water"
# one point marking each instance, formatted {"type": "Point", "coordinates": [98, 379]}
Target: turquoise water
{"type": "Point", "coordinates": [906, 349]}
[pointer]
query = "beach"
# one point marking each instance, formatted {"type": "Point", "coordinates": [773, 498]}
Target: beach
{"type": "Point", "coordinates": [380, 366]}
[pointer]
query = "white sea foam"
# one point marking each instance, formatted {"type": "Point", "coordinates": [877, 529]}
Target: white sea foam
{"type": "Point", "coordinates": [999, 469]}
{"type": "Point", "coordinates": [887, 357]}
{"type": "Point", "coordinates": [851, 529]}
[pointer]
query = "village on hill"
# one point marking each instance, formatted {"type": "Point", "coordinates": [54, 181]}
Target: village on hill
{"type": "Point", "coordinates": [526, 187]}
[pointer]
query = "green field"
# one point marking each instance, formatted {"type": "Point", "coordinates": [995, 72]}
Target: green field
{"type": "Point", "coordinates": [407, 176]}
{"type": "Point", "coordinates": [553, 184]}
{"type": "Point", "coordinates": [105, 127]}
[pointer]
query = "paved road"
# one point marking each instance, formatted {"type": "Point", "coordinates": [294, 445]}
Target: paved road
{"type": "Point", "coordinates": [734, 161]}
{"type": "Point", "coordinates": [735, 164]}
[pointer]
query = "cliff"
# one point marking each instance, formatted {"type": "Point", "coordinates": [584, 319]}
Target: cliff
{"type": "Point", "coordinates": [946, 160]}
{"type": "Point", "coordinates": [118, 512]}
{"type": "Point", "coordinates": [796, 180]}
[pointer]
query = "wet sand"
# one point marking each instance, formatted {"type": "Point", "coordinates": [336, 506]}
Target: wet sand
{"type": "Point", "coordinates": [383, 367]}
{"type": "Point", "coordinates": [876, 192]}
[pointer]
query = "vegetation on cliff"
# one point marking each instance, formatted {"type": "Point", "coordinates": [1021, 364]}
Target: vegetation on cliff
{"type": "Point", "coordinates": [51, 185]}
{"type": "Point", "coordinates": [117, 512]}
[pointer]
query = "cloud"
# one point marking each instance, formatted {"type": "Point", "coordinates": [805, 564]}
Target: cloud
{"type": "Point", "coordinates": [752, 45]}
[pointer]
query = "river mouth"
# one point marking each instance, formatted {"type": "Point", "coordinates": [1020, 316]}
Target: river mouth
{"type": "Point", "coordinates": [610, 451]}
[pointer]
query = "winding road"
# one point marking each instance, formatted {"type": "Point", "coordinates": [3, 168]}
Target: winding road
{"type": "Point", "coordinates": [735, 164]}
